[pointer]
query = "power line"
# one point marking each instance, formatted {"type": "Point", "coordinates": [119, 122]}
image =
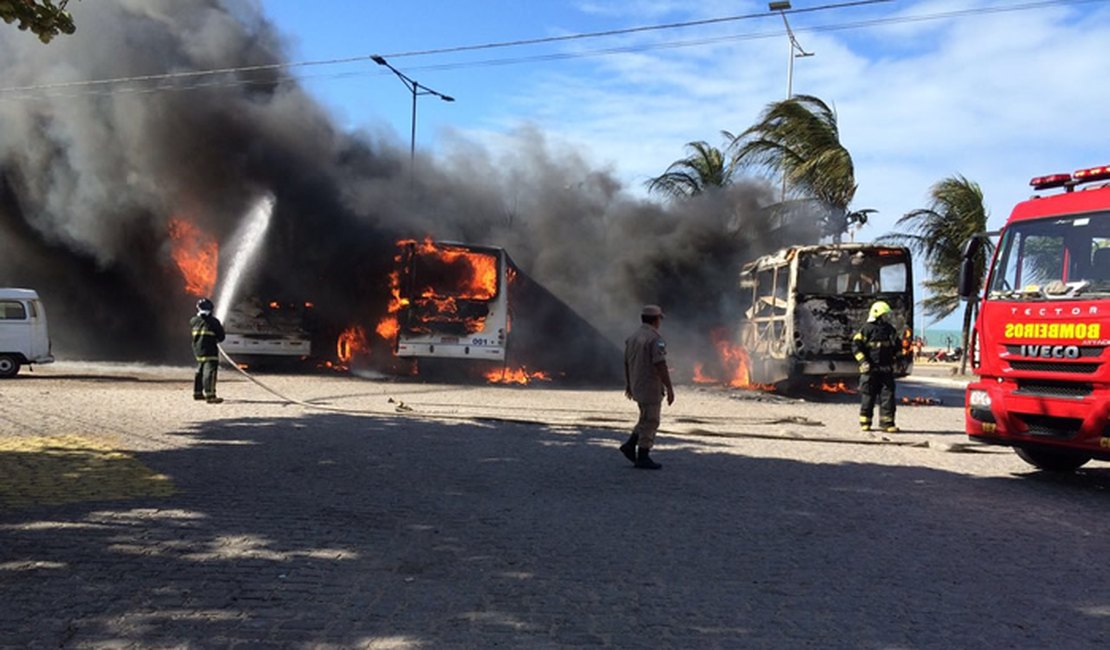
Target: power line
{"type": "Point", "coordinates": [634, 30]}
{"type": "Point", "coordinates": [84, 88]}
{"type": "Point", "coordinates": [447, 50]}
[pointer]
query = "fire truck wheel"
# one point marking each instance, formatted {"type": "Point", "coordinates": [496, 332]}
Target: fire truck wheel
{"type": "Point", "coordinates": [9, 366]}
{"type": "Point", "coordinates": [1051, 460]}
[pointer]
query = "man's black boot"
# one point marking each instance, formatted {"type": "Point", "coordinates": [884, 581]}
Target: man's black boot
{"type": "Point", "coordinates": [629, 448]}
{"type": "Point", "coordinates": [644, 461]}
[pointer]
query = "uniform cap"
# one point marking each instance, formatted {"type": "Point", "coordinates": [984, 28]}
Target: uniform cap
{"type": "Point", "coordinates": [652, 310]}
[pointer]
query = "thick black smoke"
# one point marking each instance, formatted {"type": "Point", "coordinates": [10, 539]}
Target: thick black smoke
{"type": "Point", "coordinates": [91, 176]}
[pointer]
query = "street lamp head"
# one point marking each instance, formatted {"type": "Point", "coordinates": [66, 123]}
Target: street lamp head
{"type": "Point", "coordinates": [379, 59]}
{"type": "Point", "coordinates": [779, 6]}
{"type": "Point", "coordinates": [447, 98]}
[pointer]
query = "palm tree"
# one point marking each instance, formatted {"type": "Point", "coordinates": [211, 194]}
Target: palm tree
{"type": "Point", "coordinates": [940, 233]}
{"type": "Point", "coordinates": [705, 167]}
{"type": "Point", "coordinates": [799, 138]}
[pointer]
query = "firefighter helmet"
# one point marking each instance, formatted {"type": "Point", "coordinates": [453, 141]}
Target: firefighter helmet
{"type": "Point", "coordinates": [878, 310]}
{"type": "Point", "coordinates": [204, 305]}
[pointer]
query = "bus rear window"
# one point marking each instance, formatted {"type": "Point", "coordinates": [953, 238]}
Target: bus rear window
{"type": "Point", "coordinates": [857, 273]}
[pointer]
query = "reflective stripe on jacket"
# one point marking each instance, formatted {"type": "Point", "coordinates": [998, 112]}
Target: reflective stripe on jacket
{"type": "Point", "coordinates": [207, 333]}
{"type": "Point", "coordinates": [877, 343]}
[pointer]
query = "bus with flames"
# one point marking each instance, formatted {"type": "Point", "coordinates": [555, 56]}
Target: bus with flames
{"type": "Point", "coordinates": [469, 310]}
{"type": "Point", "coordinates": [269, 331]}
{"type": "Point", "coordinates": [450, 300]}
{"type": "Point", "coordinates": [803, 304]}
{"type": "Point", "coordinates": [1041, 340]}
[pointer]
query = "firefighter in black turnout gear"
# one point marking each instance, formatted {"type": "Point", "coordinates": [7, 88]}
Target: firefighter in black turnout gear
{"type": "Point", "coordinates": [207, 333]}
{"type": "Point", "coordinates": [877, 347]}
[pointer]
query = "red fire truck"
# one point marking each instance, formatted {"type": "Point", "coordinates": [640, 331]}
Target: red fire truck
{"type": "Point", "coordinates": [1041, 343]}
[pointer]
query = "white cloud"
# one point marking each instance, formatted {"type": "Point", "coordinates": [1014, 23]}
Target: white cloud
{"type": "Point", "coordinates": [999, 97]}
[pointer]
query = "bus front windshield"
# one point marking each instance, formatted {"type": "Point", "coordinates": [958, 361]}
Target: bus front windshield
{"type": "Point", "coordinates": [863, 272]}
{"type": "Point", "coordinates": [1054, 258]}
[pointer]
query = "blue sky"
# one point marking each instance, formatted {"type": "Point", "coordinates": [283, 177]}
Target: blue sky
{"type": "Point", "coordinates": [997, 90]}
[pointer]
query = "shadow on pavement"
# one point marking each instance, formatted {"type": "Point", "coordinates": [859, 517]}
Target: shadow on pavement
{"type": "Point", "coordinates": [355, 531]}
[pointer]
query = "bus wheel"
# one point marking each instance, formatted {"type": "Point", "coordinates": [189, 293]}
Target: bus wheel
{"type": "Point", "coordinates": [1051, 460]}
{"type": "Point", "coordinates": [792, 385]}
{"type": "Point", "coordinates": [9, 366]}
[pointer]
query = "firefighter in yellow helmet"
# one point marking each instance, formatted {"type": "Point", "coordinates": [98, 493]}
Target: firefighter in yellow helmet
{"type": "Point", "coordinates": [876, 347]}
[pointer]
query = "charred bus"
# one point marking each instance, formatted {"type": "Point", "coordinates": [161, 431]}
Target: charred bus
{"type": "Point", "coordinates": [464, 309]}
{"type": "Point", "coordinates": [451, 301]}
{"type": "Point", "coordinates": [803, 304]}
{"type": "Point", "coordinates": [269, 331]}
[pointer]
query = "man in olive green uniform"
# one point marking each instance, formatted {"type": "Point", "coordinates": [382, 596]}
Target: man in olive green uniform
{"type": "Point", "coordinates": [877, 347]}
{"type": "Point", "coordinates": [646, 380]}
{"type": "Point", "coordinates": [207, 333]}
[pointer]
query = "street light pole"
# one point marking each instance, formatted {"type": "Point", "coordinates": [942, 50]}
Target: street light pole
{"type": "Point", "coordinates": [782, 6]}
{"type": "Point", "coordinates": [417, 89]}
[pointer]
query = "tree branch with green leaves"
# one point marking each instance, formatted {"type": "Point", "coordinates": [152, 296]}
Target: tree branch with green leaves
{"type": "Point", "coordinates": [42, 17]}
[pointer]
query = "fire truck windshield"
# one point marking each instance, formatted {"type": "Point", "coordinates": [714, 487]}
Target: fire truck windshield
{"type": "Point", "coordinates": [1056, 258]}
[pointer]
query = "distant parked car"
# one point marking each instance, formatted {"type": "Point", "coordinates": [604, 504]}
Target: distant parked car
{"type": "Point", "coordinates": [24, 338]}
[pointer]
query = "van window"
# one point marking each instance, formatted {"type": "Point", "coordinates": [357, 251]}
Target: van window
{"type": "Point", "coordinates": [12, 310]}
{"type": "Point", "coordinates": [33, 309]}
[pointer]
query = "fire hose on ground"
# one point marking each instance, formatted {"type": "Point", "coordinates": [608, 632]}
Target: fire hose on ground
{"type": "Point", "coordinates": [402, 409]}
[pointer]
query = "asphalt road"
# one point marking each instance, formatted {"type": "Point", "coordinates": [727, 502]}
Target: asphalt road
{"type": "Point", "coordinates": [447, 517]}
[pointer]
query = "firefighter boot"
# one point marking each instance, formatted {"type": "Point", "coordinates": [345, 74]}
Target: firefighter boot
{"type": "Point", "coordinates": [629, 448]}
{"type": "Point", "coordinates": [644, 461]}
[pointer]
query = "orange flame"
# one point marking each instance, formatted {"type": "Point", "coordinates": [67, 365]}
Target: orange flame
{"type": "Point", "coordinates": [836, 387]}
{"type": "Point", "coordinates": [515, 376]}
{"type": "Point", "coordinates": [388, 327]}
{"type": "Point", "coordinates": [700, 377]}
{"type": "Point", "coordinates": [476, 271]}
{"type": "Point", "coordinates": [921, 401]}
{"type": "Point", "coordinates": [351, 341]}
{"type": "Point", "coordinates": [733, 361]}
{"type": "Point", "coordinates": [196, 255]}
{"type": "Point", "coordinates": [446, 276]}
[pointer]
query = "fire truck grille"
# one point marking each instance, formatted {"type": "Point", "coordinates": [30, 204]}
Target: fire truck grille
{"type": "Point", "coordinates": [1082, 368]}
{"type": "Point", "coordinates": [1085, 351]}
{"type": "Point", "coordinates": [1053, 388]}
{"type": "Point", "coordinates": [1048, 425]}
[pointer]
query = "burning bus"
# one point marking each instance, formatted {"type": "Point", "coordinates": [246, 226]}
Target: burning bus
{"type": "Point", "coordinates": [271, 331]}
{"type": "Point", "coordinates": [803, 304]}
{"type": "Point", "coordinates": [449, 301]}
{"type": "Point", "coordinates": [461, 307]}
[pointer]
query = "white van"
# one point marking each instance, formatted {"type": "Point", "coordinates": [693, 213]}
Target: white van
{"type": "Point", "coordinates": [24, 338]}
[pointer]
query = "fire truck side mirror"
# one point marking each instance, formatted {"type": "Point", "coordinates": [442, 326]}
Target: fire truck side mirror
{"type": "Point", "coordinates": [967, 288]}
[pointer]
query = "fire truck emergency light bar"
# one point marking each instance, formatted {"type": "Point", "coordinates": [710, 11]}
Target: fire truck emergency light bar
{"type": "Point", "coordinates": [1080, 176]}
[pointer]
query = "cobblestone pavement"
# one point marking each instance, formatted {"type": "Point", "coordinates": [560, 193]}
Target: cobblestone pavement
{"type": "Point", "coordinates": [131, 517]}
